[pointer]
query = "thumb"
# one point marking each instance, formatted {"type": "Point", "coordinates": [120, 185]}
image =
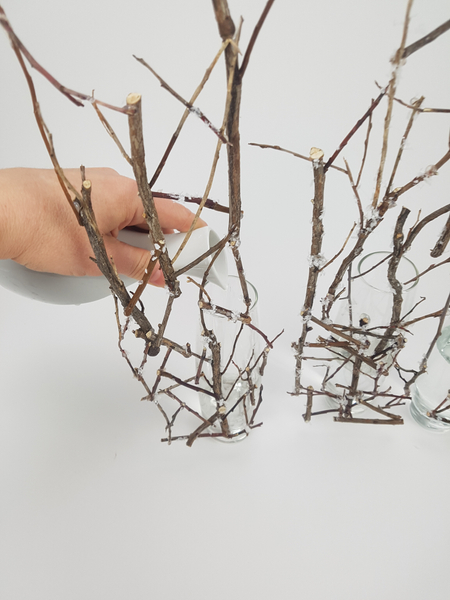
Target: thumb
{"type": "Point", "coordinates": [133, 262]}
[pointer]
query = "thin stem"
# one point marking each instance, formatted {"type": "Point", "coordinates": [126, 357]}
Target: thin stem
{"type": "Point", "coordinates": [134, 102]}
{"type": "Point", "coordinates": [185, 115]}
{"type": "Point", "coordinates": [308, 158]}
{"type": "Point", "coordinates": [316, 249]}
{"type": "Point", "coordinates": [254, 36]}
{"type": "Point", "coordinates": [352, 132]}
{"type": "Point", "coordinates": [191, 108]}
{"type": "Point", "coordinates": [427, 39]}
{"type": "Point", "coordinates": [391, 94]}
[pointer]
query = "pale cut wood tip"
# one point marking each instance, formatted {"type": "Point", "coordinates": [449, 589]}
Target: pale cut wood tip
{"type": "Point", "coordinates": [87, 184]}
{"type": "Point", "coordinates": [316, 153]}
{"type": "Point", "coordinates": [133, 98]}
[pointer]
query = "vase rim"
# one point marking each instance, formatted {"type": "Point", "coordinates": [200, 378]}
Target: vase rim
{"type": "Point", "coordinates": [383, 252]}
{"type": "Point", "coordinates": [255, 296]}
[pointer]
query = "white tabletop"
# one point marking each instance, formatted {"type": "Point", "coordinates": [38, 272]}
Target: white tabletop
{"type": "Point", "coordinates": [93, 505]}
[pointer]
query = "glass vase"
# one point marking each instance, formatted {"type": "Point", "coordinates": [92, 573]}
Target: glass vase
{"type": "Point", "coordinates": [365, 319]}
{"type": "Point", "coordinates": [232, 387]}
{"type": "Point", "coordinates": [430, 401]}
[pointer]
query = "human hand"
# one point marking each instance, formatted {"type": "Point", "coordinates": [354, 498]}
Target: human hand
{"type": "Point", "coordinates": [39, 230]}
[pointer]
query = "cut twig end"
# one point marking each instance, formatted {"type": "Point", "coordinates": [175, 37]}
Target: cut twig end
{"type": "Point", "coordinates": [133, 99]}
{"type": "Point", "coordinates": [316, 153]}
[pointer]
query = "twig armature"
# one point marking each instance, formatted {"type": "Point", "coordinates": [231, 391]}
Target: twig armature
{"type": "Point", "coordinates": [231, 383]}
{"type": "Point", "coordinates": [362, 349]}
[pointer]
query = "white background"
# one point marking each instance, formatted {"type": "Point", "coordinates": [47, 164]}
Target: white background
{"type": "Point", "coordinates": [92, 504]}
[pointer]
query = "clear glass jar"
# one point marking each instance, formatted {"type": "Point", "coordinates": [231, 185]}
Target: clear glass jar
{"type": "Point", "coordinates": [240, 361]}
{"type": "Point", "coordinates": [369, 312]}
{"type": "Point", "coordinates": [430, 402]}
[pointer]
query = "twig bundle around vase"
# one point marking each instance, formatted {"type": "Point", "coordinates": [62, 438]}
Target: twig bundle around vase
{"type": "Point", "coordinates": [357, 353]}
{"type": "Point", "coordinates": [357, 375]}
{"type": "Point", "coordinates": [232, 361]}
{"type": "Point", "coordinates": [230, 368]}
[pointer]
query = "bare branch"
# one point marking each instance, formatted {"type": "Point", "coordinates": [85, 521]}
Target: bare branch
{"type": "Point", "coordinates": [416, 105]}
{"type": "Point", "coordinates": [140, 173]}
{"type": "Point", "coordinates": [186, 114]}
{"type": "Point", "coordinates": [72, 95]}
{"type": "Point", "coordinates": [442, 242]}
{"type": "Point", "coordinates": [363, 421]}
{"type": "Point", "coordinates": [352, 132]}
{"type": "Point", "coordinates": [430, 268]}
{"type": "Point", "coordinates": [414, 231]}
{"type": "Point", "coordinates": [316, 249]}
{"type": "Point", "coordinates": [255, 34]}
{"type": "Point", "coordinates": [308, 158]}
{"type": "Point", "coordinates": [194, 110]}
{"type": "Point", "coordinates": [110, 131]}
{"type": "Point", "coordinates": [211, 204]}
{"type": "Point", "coordinates": [427, 39]}
{"type": "Point", "coordinates": [422, 110]}
{"type": "Point", "coordinates": [391, 94]}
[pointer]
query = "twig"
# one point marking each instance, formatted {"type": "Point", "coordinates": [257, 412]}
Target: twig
{"type": "Point", "coordinates": [260, 399]}
{"type": "Point", "coordinates": [366, 148]}
{"type": "Point", "coordinates": [211, 204]}
{"type": "Point", "coordinates": [143, 284]}
{"type": "Point", "coordinates": [422, 110]}
{"type": "Point", "coordinates": [254, 36]}
{"type": "Point", "coordinates": [140, 173]}
{"type": "Point", "coordinates": [380, 262]}
{"type": "Point", "coordinates": [110, 131]}
{"type": "Point", "coordinates": [414, 231]}
{"type": "Point", "coordinates": [431, 171]}
{"type": "Point", "coordinates": [427, 39]}
{"type": "Point", "coordinates": [185, 116]}
{"type": "Point", "coordinates": [391, 94]}
{"type": "Point", "coordinates": [362, 421]}
{"type": "Point", "coordinates": [102, 260]}
{"type": "Point", "coordinates": [183, 383]}
{"type": "Point", "coordinates": [423, 364]}
{"type": "Point", "coordinates": [193, 109]}
{"type": "Point", "coordinates": [352, 132]}
{"type": "Point", "coordinates": [234, 95]}
{"type": "Point", "coordinates": [72, 95]}
{"type": "Point", "coordinates": [309, 403]}
{"type": "Point", "coordinates": [216, 249]}
{"type": "Point", "coordinates": [398, 158]}
{"type": "Point", "coordinates": [232, 224]}
{"type": "Point", "coordinates": [378, 410]}
{"type": "Point", "coordinates": [47, 138]}
{"type": "Point", "coordinates": [370, 225]}
{"type": "Point", "coordinates": [441, 408]}
{"type": "Point", "coordinates": [395, 284]}
{"type": "Point", "coordinates": [308, 158]}
{"type": "Point", "coordinates": [316, 249]}
{"type": "Point", "coordinates": [442, 242]}
{"type": "Point", "coordinates": [355, 191]}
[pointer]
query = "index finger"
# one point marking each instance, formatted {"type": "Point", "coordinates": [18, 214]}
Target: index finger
{"type": "Point", "coordinates": [173, 215]}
